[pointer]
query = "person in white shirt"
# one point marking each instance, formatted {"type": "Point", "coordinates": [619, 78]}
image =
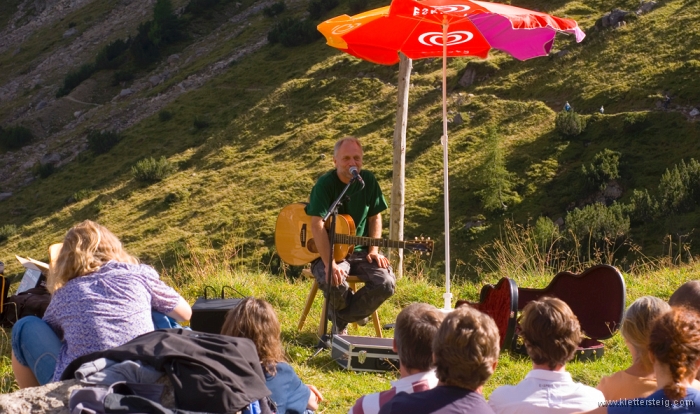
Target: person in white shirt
{"type": "Point", "coordinates": [416, 326]}
{"type": "Point", "coordinates": [551, 333]}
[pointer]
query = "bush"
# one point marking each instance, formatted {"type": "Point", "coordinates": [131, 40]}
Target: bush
{"type": "Point", "coordinates": [81, 195]}
{"type": "Point", "coordinates": [112, 55]}
{"type": "Point", "coordinates": [597, 223]}
{"type": "Point", "coordinates": [165, 116]}
{"type": "Point", "coordinates": [165, 27]}
{"type": "Point", "coordinates": [44, 170]}
{"type": "Point", "coordinates": [200, 122]}
{"type": "Point", "coordinates": [7, 231]}
{"type": "Point", "coordinates": [142, 48]}
{"type": "Point", "coordinates": [122, 76]}
{"type": "Point", "coordinates": [101, 142]}
{"type": "Point", "coordinates": [635, 122]}
{"type": "Point", "coordinates": [545, 232]}
{"type": "Point", "coordinates": [605, 167]}
{"type": "Point", "coordinates": [643, 207]}
{"type": "Point", "coordinates": [275, 9]}
{"type": "Point", "coordinates": [570, 123]}
{"type": "Point", "coordinates": [75, 78]}
{"type": "Point", "coordinates": [318, 8]}
{"type": "Point", "coordinates": [177, 196]}
{"type": "Point", "coordinates": [15, 137]}
{"type": "Point", "coordinates": [358, 6]}
{"type": "Point", "coordinates": [293, 32]}
{"type": "Point", "coordinates": [152, 170]}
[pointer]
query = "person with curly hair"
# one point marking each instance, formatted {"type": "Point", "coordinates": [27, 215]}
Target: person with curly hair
{"type": "Point", "coordinates": [256, 320]}
{"type": "Point", "coordinates": [101, 297]}
{"type": "Point", "coordinates": [551, 333]}
{"type": "Point", "coordinates": [674, 349]}
{"type": "Point", "coordinates": [465, 354]}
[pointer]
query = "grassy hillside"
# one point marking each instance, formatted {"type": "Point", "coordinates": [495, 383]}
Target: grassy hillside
{"type": "Point", "coordinates": [269, 122]}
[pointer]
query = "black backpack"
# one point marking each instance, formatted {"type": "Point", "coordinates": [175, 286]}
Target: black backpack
{"type": "Point", "coordinates": [30, 302]}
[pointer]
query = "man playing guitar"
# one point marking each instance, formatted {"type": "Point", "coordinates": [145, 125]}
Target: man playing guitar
{"type": "Point", "coordinates": [365, 204]}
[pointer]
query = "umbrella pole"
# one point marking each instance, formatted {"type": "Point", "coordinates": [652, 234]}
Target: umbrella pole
{"type": "Point", "coordinates": [447, 296]}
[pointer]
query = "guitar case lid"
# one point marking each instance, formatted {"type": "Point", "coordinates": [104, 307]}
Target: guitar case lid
{"type": "Point", "coordinates": [596, 297]}
{"type": "Point", "coordinates": [500, 303]}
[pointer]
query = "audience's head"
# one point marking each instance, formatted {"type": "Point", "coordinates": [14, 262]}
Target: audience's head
{"type": "Point", "coordinates": [636, 325]}
{"type": "Point", "coordinates": [256, 320]}
{"type": "Point", "coordinates": [86, 247]}
{"type": "Point", "coordinates": [687, 295]}
{"type": "Point", "coordinates": [675, 341]}
{"type": "Point", "coordinates": [465, 349]}
{"type": "Point", "coordinates": [551, 332]}
{"type": "Point", "coordinates": [415, 329]}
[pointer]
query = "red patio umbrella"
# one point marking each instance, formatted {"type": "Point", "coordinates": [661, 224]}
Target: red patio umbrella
{"type": "Point", "coordinates": [442, 28]}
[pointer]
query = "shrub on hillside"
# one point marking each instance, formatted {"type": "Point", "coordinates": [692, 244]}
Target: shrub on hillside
{"type": "Point", "coordinates": [318, 8]}
{"type": "Point", "coordinates": [200, 122]}
{"type": "Point", "coordinates": [75, 78]}
{"type": "Point", "coordinates": [293, 32]}
{"type": "Point", "coordinates": [199, 7]}
{"type": "Point", "coordinates": [597, 223]}
{"type": "Point", "coordinates": [151, 170]}
{"type": "Point", "coordinates": [122, 76]}
{"type": "Point", "coordinates": [570, 123]}
{"type": "Point", "coordinates": [165, 116]}
{"type": "Point", "coordinates": [43, 170]}
{"type": "Point", "coordinates": [101, 142]}
{"type": "Point", "coordinates": [643, 207]}
{"type": "Point", "coordinates": [7, 231]}
{"type": "Point", "coordinates": [679, 188]}
{"type": "Point", "coordinates": [81, 195]}
{"type": "Point", "coordinates": [15, 137]}
{"type": "Point", "coordinates": [165, 27]}
{"type": "Point", "coordinates": [142, 48]}
{"type": "Point", "coordinates": [603, 169]}
{"type": "Point", "coordinates": [275, 9]}
{"type": "Point", "coordinates": [545, 232]}
{"type": "Point", "coordinates": [112, 55]}
{"type": "Point", "coordinates": [635, 122]}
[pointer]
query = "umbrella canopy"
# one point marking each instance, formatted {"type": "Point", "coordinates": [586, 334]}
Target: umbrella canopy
{"type": "Point", "coordinates": [442, 28]}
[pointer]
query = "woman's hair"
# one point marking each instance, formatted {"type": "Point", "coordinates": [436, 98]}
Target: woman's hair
{"type": "Point", "coordinates": [550, 331]}
{"type": "Point", "coordinates": [675, 341]}
{"type": "Point", "coordinates": [86, 247]}
{"type": "Point", "coordinates": [636, 325]}
{"type": "Point", "coordinates": [256, 320]}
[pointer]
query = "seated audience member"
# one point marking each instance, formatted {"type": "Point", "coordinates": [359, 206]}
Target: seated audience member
{"type": "Point", "coordinates": [674, 346]}
{"type": "Point", "coordinates": [101, 298]}
{"type": "Point", "coordinates": [465, 354]}
{"type": "Point", "coordinates": [638, 380]}
{"type": "Point", "coordinates": [551, 333]}
{"type": "Point", "coordinates": [256, 320]}
{"type": "Point", "coordinates": [415, 329]}
{"type": "Point", "coordinates": [688, 295]}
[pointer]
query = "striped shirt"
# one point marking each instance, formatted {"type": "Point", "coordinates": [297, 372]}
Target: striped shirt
{"type": "Point", "coordinates": [371, 403]}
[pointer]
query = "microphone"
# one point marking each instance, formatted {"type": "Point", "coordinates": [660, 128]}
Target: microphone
{"type": "Point", "coordinates": [356, 175]}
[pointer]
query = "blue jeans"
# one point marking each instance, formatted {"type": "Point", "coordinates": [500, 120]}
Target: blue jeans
{"type": "Point", "coordinates": [36, 345]}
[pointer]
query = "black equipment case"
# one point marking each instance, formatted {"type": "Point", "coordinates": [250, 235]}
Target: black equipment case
{"type": "Point", "coordinates": [208, 314]}
{"type": "Point", "coordinates": [360, 353]}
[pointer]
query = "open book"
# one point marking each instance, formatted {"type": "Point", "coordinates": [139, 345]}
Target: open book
{"type": "Point", "coordinates": [34, 275]}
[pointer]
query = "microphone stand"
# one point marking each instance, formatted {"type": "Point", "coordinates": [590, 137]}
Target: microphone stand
{"type": "Point", "coordinates": [333, 214]}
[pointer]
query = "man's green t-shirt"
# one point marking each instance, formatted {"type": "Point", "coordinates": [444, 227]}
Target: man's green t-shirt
{"type": "Point", "coordinates": [363, 203]}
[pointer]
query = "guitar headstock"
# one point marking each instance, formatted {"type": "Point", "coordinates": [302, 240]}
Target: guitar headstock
{"type": "Point", "coordinates": [421, 245]}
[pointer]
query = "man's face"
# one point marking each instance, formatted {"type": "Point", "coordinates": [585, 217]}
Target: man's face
{"type": "Point", "coordinates": [349, 155]}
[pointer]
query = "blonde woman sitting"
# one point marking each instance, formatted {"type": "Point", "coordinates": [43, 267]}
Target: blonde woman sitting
{"type": "Point", "coordinates": [101, 297]}
{"type": "Point", "coordinates": [256, 320]}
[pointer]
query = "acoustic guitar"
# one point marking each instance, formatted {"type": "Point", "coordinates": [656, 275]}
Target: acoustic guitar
{"type": "Point", "coordinates": [296, 246]}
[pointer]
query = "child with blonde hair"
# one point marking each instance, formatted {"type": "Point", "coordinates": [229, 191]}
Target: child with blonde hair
{"type": "Point", "coordinates": [256, 320]}
{"type": "Point", "coordinates": [101, 298]}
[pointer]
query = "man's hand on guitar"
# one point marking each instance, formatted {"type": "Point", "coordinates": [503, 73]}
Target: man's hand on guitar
{"type": "Point", "coordinates": [379, 258]}
{"type": "Point", "coordinates": [338, 275]}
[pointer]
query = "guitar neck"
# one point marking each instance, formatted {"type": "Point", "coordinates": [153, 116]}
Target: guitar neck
{"type": "Point", "coordinates": [369, 241]}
